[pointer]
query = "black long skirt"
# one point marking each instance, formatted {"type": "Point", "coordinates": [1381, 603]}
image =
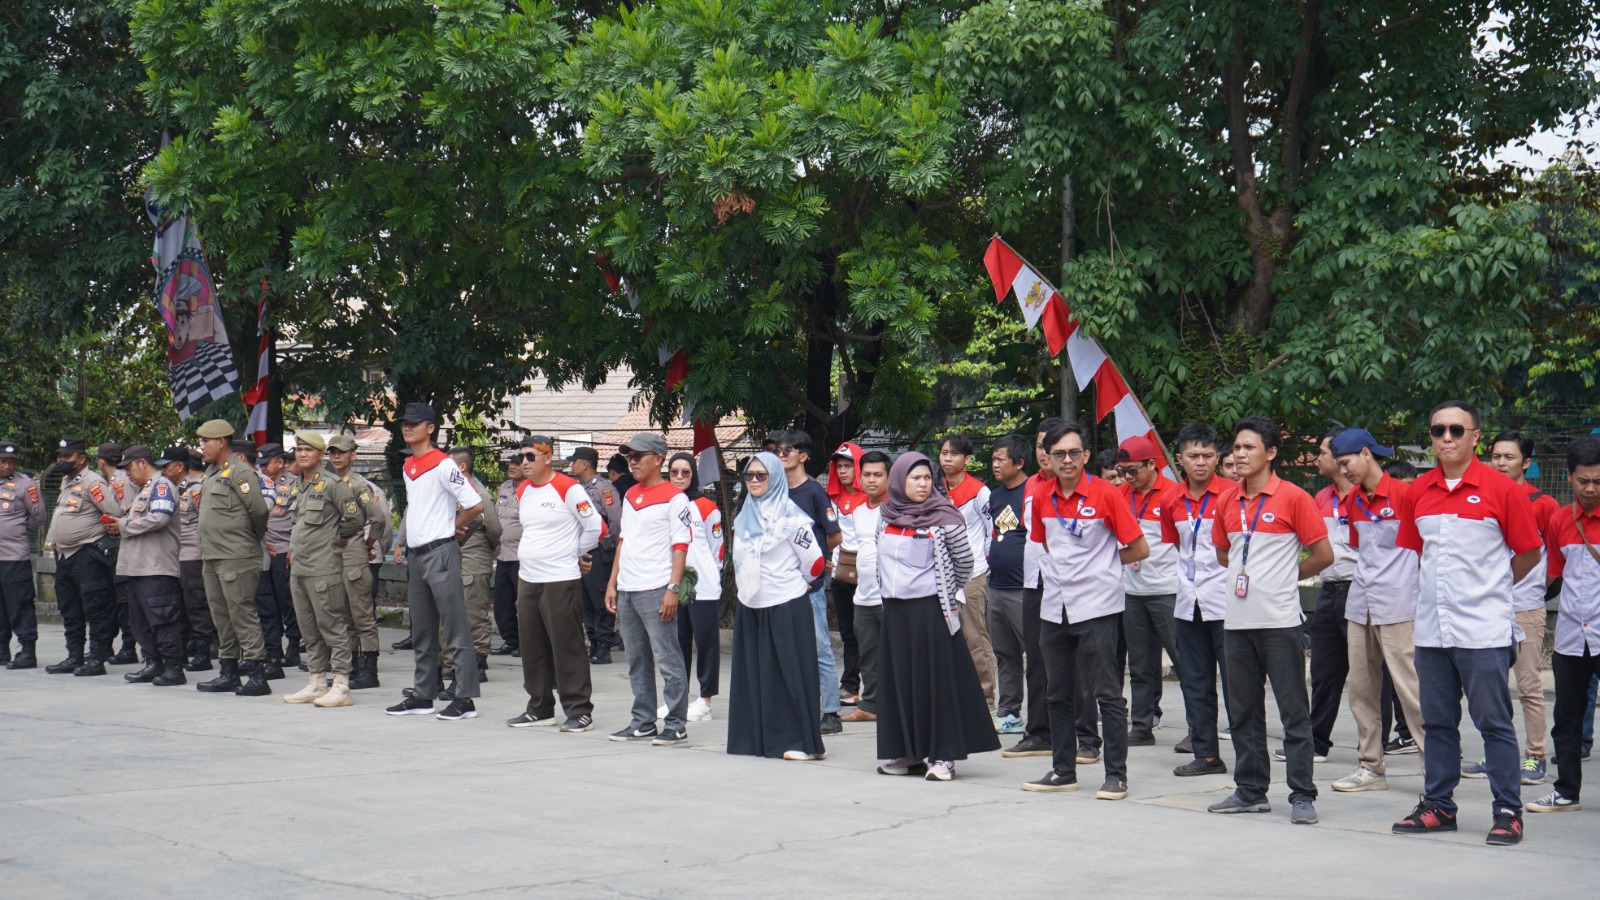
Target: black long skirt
{"type": "Point", "coordinates": [930, 704]}
{"type": "Point", "coordinates": [774, 705]}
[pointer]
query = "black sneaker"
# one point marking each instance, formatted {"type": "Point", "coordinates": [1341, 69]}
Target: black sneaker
{"type": "Point", "coordinates": [1141, 737]}
{"type": "Point", "coordinates": [1052, 782]}
{"type": "Point", "coordinates": [1425, 820]}
{"type": "Point", "coordinates": [1507, 829]}
{"type": "Point", "coordinates": [411, 706]}
{"type": "Point", "coordinates": [502, 650]}
{"type": "Point", "coordinates": [402, 644]}
{"type": "Point", "coordinates": [1113, 789]}
{"type": "Point", "coordinates": [831, 723]}
{"type": "Point", "coordinates": [1088, 754]}
{"type": "Point", "coordinates": [576, 724]}
{"type": "Point", "coordinates": [1032, 745]}
{"type": "Point", "coordinates": [646, 732]}
{"type": "Point", "coordinates": [1184, 746]}
{"type": "Point", "coordinates": [1400, 746]}
{"type": "Point", "coordinates": [529, 720]}
{"type": "Point", "coordinates": [671, 736]}
{"type": "Point", "coordinates": [459, 708]}
{"type": "Point", "coordinates": [1201, 767]}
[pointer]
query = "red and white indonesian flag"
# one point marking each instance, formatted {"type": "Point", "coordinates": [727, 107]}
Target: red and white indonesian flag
{"type": "Point", "coordinates": [256, 396]}
{"type": "Point", "coordinates": [1040, 302]}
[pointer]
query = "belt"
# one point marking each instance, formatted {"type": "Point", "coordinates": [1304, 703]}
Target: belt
{"type": "Point", "coordinates": [423, 548]}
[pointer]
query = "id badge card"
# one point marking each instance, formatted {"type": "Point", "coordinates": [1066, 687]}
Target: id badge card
{"type": "Point", "coordinates": [1134, 566]}
{"type": "Point", "coordinates": [1241, 586]}
{"type": "Point", "coordinates": [1188, 568]}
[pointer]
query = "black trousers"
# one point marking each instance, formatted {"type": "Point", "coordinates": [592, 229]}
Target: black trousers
{"type": "Point", "coordinates": [699, 632]}
{"type": "Point", "coordinates": [83, 593]}
{"type": "Point", "coordinates": [1201, 647]}
{"type": "Point", "coordinates": [1086, 648]}
{"type": "Point", "coordinates": [122, 600]}
{"type": "Point", "coordinates": [844, 613]}
{"type": "Point", "coordinates": [599, 625]}
{"type": "Point", "coordinates": [1572, 677]}
{"type": "Point", "coordinates": [1034, 679]}
{"type": "Point", "coordinates": [1255, 657]}
{"type": "Point", "coordinates": [17, 616]}
{"type": "Point", "coordinates": [505, 600]}
{"type": "Point", "coordinates": [1393, 716]}
{"type": "Point", "coordinates": [153, 615]}
{"type": "Point", "coordinates": [1330, 662]}
{"type": "Point", "coordinates": [197, 624]}
{"type": "Point", "coordinates": [275, 606]}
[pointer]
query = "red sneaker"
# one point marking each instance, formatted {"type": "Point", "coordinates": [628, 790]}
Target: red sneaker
{"type": "Point", "coordinates": [1507, 828]}
{"type": "Point", "coordinates": [1426, 819]}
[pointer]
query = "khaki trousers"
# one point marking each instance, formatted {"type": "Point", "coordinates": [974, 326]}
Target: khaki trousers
{"type": "Point", "coordinates": [477, 588]}
{"type": "Point", "coordinates": [357, 583]}
{"type": "Point", "coordinates": [975, 627]}
{"type": "Point", "coordinates": [324, 616]}
{"type": "Point", "coordinates": [1371, 647]}
{"type": "Point", "coordinates": [1525, 678]}
{"type": "Point", "coordinates": [231, 597]}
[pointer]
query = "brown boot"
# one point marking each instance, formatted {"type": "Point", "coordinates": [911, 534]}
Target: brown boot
{"type": "Point", "coordinates": [338, 695]}
{"type": "Point", "coordinates": [315, 688]}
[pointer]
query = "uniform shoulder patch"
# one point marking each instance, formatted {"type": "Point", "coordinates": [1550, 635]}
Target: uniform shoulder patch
{"type": "Point", "coordinates": [98, 494]}
{"type": "Point", "coordinates": [163, 491]}
{"type": "Point", "coordinates": [609, 496]}
{"type": "Point", "coordinates": [716, 530]}
{"type": "Point", "coordinates": [117, 486]}
{"type": "Point", "coordinates": [365, 496]}
{"type": "Point", "coordinates": [33, 493]}
{"type": "Point", "coordinates": [585, 509]}
{"type": "Point", "coordinates": [350, 508]}
{"type": "Point", "coordinates": [244, 487]}
{"type": "Point", "coordinates": [833, 515]}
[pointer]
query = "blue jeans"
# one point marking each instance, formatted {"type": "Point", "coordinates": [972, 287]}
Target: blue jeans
{"type": "Point", "coordinates": [653, 644]}
{"type": "Point", "coordinates": [1444, 676]}
{"type": "Point", "coordinates": [827, 672]}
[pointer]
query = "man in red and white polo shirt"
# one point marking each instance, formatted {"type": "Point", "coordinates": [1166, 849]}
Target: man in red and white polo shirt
{"type": "Point", "coordinates": [645, 579]}
{"type": "Point", "coordinates": [1262, 525]}
{"type": "Point", "coordinates": [1476, 533]}
{"type": "Point", "coordinates": [559, 525]}
{"type": "Point", "coordinates": [1573, 541]}
{"type": "Point", "coordinates": [971, 497]}
{"type": "Point", "coordinates": [1330, 652]}
{"type": "Point", "coordinates": [440, 504]}
{"type": "Point", "coordinates": [1151, 585]}
{"type": "Point", "coordinates": [1088, 535]}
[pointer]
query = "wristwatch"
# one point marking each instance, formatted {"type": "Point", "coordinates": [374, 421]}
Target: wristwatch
{"type": "Point", "coordinates": [673, 588]}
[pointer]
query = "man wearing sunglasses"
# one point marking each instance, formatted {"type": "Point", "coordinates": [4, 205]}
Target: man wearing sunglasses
{"type": "Point", "coordinates": [794, 450]}
{"type": "Point", "coordinates": [1151, 585]}
{"type": "Point", "coordinates": [1475, 531]}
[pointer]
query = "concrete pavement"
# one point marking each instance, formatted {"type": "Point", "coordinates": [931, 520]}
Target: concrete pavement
{"type": "Point", "coordinates": [143, 791]}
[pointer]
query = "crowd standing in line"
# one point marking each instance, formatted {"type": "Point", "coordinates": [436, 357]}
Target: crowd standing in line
{"type": "Point", "coordinates": [967, 610]}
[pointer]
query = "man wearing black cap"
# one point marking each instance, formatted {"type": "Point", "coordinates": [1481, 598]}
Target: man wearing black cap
{"type": "Point", "coordinates": [274, 600]}
{"type": "Point", "coordinates": [148, 561]}
{"type": "Point", "coordinates": [180, 467]}
{"type": "Point", "coordinates": [440, 505]}
{"type": "Point", "coordinates": [107, 456]}
{"type": "Point", "coordinates": [505, 558]}
{"type": "Point", "coordinates": [377, 531]}
{"type": "Point", "coordinates": [83, 561]}
{"type": "Point", "coordinates": [233, 522]}
{"type": "Point", "coordinates": [21, 508]}
{"type": "Point", "coordinates": [599, 625]}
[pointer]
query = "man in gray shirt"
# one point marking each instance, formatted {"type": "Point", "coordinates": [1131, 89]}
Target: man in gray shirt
{"type": "Point", "coordinates": [83, 561]}
{"type": "Point", "coordinates": [183, 469]}
{"type": "Point", "coordinates": [21, 509]}
{"type": "Point", "coordinates": [505, 559]}
{"type": "Point", "coordinates": [148, 561]}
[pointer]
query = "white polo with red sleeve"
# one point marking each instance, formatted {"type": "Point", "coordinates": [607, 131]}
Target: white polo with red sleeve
{"type": "Point", "coordinates": [971, 498]}
{"type": "Point", "coordinates": [559, 525]}
{"type": "Point", "coordinates": [1384, 590]}
{"type": "Point", "coordinates": [1038, 484]}
{"type": "Point", "coordinates": [1466, 537]}
{"type": "Point", "coordinates": [1080, 532]}
{"type": "Point", "coordinates": [1528, 594]}
{"type": "Point", "coordinates": [1263, 535]}
{"type": "Point", "coordinates": [1186, 523]}
{"type": "Point", "coordinates": [705, 548]}
{"type": "Point", "coordinates": [1578, 621]}
{"type": "Point", "coordinates": [656, 522]}
{"type": "Point", "coordinates": [435, 490]}
{"type": "Point", "coordinates": [1156, 574]}
{"type": "Point", "coordinates": [1337, 515]}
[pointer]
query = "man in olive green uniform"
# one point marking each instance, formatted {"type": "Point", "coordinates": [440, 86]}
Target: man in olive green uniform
{"type": "Point", "coordinates": [377, 530]}
{"type": "Point", "coordinates": [506, 564]}
{"type": "Point", "coordinates": [327, 520]}
{"type": "Point", "coordinates": [233, 523]}
{"type": "Point", "coordinates": [477, 564]}
{"type": "Point", "coordinates": [107, 456]}
{"type": "Point", "coordinates": [21, 510]}
{"type": "Point", "coordinates": [147, 562]}
{"type": "Point", "coordinates": [83, 561]}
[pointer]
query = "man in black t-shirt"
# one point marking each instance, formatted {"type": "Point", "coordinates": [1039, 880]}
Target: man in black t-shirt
{"type": "Point", "coordinates": [1005, 578]}
{"type": "Point", "coordinates": [794, 449]}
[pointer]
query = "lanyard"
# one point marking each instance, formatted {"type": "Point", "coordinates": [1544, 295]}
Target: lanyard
{"type": "Point", "coordinates": [1363, 507]}
{"type": "Point", "coordinates": [1076, 528]}
{"type": "Point", "coordinates": [1577, 521]}
{"type": "Point", "coordinates": [1194, 528]}
{"type": "Point", "coordinates": [1249, 530]}
{"type": "Point", "coordinates": [1342, 520]}
{"type": "Point", "coordinates": [1138, 512]}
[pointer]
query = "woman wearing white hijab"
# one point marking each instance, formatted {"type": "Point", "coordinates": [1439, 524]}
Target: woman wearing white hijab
{"type": "Point", "coordinates": [774, 709]}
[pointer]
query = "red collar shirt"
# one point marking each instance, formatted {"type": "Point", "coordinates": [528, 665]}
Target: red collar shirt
{"type": "Point", "coordinates": [1528, 594]}
{"type": "Point", "coordinates": [1384, 590]}
{"type": "Point", "coordinates": [1186, 523]}
{"type": "Point", "coordinates": [1466, 537]}
{"type": "Point", "coordinates": [1337, 515]}
{"type": "Point", "coordinates": [1263, 535]}
{"type": "Point", "coordinates": [656, 522]}
{"type": "Point", "coordinates": [1156, 574]}
{"type": "Point", "coordinates": [1578, 621]}
{"type": "Point", "coordinates": [971, 498]}
{"type": "Point", "coordinates": [1080, 532]}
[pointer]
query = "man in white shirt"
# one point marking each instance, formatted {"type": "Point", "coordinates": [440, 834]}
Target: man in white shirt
{"type": "Point", "coordinates": [441, 503]}
{"type": "Point", "coordinates": [646, 577]}
{"type": "Point", "coordinates": [559, 525]}
{"type": "Point", "coordinates": [860, 529]}
{"type": "Point", "coordinates": [971, 497]}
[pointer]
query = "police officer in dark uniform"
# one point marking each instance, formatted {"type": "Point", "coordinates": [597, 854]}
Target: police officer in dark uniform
{"type": "Point", "coordinates": [148, 563]}
{"type": "Point", "coordinates": [77, 536]}
{"type": "Point", "coordinates": [180, 467]}
{"type": "Point", "coordinates": [107, 456]}
{"type": "Point", "coordinates": [601, 626]}
{"type": "Point", "coordinates": [21, 509]}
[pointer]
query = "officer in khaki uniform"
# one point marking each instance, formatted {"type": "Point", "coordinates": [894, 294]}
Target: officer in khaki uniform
{"type": "Point", "coordinates": [107, 458]}
{"type": "Point", "coordinates": [377, 530]}
{"type": "Point", "coordinates": [21, 509]}
{"type": "Point", "coordinates": [477, 564]}
{"type": "Point", "coordinates": [233, 523]}
{"type": "Point", "coordinates": [506, 564]}
{"type": "Point", "coordinates": [83, 560]}
{"type": "Point", "coordinates": [147, 562]}
{"type": "Point", "coordinates": [327, 520]}
{"type": "Point", "coordinates": [184, 469]}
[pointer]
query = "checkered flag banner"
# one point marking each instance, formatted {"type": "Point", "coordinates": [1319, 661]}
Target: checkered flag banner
{"type": "Point", "coordinates": [200, 363]}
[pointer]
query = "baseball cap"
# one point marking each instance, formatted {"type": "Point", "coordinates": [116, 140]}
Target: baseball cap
{"type": "Point", "coordinates": [1354, 440]}
{"type": "Point", "coordinates": [419, 412]}
{"type": "Point", "coordinates": [172, 455]}
{"type": "Point", "coordinates": [1138, 449]}
{"type": "Point", "coordinates": [587, 454]}
{"type": "Point", "coordinates": [645, 442]}
{"type": "Point", "coordinates": [132, 455]}
{"type": "Point", "coordinates": [344, 443]}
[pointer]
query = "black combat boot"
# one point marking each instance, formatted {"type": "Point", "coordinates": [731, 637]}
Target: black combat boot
{"type": "Point", "coordinates": [402, 644]}
{"type": "Point", "coordinates": [226, 681]}
{"type": "Point", "coordinates": [483, 668]}
{"type": "Point", "coordinates": [127, 656]}
{"type": "Point", "coordinates": [171, 673]}
{"type": "Point", "coordinates": [291, 656]}
{"type": "Point", "coordinates": [94, 663]}
{"type": "Point", "coordinates": [199, 657]}
{"type": "Point", "coordinates": [145, 675]}
{"type": "Point", "coordinates": [449, 693]}
{"type": "Point", "coordinates": [25, 658]}
{"type": "Point", "coordinates": [272, 668]}
{"type": "Point", "coordinates": [5, 652]}
{"type": "Point", "coordinates": [74, 659]}
{"type": "Point", "coordinates": [365, 674]}
{"type": "Point", "coordinates": [256, 685]}
{"type": "Point", "coordinates": [214, 648]}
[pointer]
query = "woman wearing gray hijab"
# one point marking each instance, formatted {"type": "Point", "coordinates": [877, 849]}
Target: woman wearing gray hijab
{"type": "Point", "coordinates": [931, 710]}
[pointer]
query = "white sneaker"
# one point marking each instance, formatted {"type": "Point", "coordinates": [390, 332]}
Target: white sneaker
{"type": "Point", "coordinates": [940, 770]}
{"type": "Point", "coordinates": [1362, 779]}
{"type": "Point", "coordinates": [699, 710]}
{"type": "Point", "coordinates": [661, 712]}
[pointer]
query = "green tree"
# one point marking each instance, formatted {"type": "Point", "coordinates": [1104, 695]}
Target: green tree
{"type": "Point", "coordinates": [1285, 205]}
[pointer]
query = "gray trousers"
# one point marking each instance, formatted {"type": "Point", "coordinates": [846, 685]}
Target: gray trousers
{"type": "Point", "coordinates": [653, 644]}
{"type": "Point", "coordinates": [433, 589]}
{"type": "Point", "coordinates": [1005, 635]}
{"type": "Point", "coordinates": [1147, 625]}
{"type": "Point", "coordinates": [869, 632]}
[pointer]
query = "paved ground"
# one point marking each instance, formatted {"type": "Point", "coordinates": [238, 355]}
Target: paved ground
{"type": "Point", "coordinates": [166, 791]}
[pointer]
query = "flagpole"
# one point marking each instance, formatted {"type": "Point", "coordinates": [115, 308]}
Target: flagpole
{"type": "Point", "coordinates": [1069, 252]}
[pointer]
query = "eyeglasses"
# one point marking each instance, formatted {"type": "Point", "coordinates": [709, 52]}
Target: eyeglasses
{"type": "Point", "coordinates": [1456, 431]}
{"type": "Point", "coordinates": [636, 457]}
{"type": "Point", "coordinates": [680, 473]}
{"type": "Point", "coordinates": [1064, 455]}
{"type": "Point", "coordinates": [755, 477]}
{"type": "Point", "coordinates": [785, 451]}
{"type": "Point", "coordinates": [531, 456]}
